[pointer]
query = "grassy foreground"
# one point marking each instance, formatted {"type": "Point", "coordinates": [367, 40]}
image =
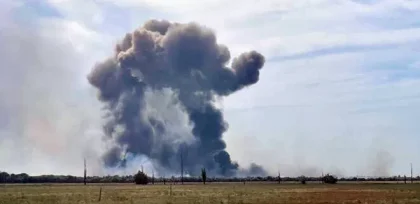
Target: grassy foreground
{"type": "Point", "coordinates": [232, 193]}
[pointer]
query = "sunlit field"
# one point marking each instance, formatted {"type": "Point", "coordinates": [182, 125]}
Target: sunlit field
{"type": "Point", "coordinates": [212, 193]}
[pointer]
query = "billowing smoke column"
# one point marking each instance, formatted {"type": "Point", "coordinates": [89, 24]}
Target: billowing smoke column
{"type": "Point", "coordinates": [184, 63]}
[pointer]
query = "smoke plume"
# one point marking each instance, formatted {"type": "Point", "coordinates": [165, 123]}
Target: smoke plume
{"type": "Point", "coordinates": [159, 90]}
{"type": "Point", "coordinates": [381, 163]}
{"type": "Point", "coordinates": [253, 170]}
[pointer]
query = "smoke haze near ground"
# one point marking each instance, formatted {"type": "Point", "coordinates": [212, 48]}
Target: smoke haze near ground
{"type": "Point", "coordinates": [47, 123]}
{"type": "Point", "coordinates": [159, 91]}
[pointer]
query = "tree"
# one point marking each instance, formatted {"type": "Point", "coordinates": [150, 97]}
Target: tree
{"type": "Point", "coordinates": [4, 177]}
{"type": "Point", "coordinates": [84, 172]}
{"type": "Point", "coordinates": [141, 178]}
{"type": "Point", "coordinates": [329, 179]}
{"type": "Point", "coordinates": [204, 175]}
{"type": "Point", "coordinates": [302, 179]}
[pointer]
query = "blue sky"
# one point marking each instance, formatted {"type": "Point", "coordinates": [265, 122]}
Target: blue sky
{"type": "Point", "coordinates": [339, 92]}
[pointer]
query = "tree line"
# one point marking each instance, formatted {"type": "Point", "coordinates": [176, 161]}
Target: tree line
{"type": "Point", "coordinates": [25, 178]}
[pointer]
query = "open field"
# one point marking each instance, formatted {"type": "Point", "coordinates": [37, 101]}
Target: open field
{"type": "Point", "coordinates": [212, 193]}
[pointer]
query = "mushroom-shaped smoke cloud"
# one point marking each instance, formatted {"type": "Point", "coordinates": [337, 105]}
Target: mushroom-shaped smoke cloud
{"type": "Point", "coordinates": [159, 90]}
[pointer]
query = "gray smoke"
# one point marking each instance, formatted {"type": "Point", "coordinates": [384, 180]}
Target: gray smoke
{"type": "Point", "coordinates": [253, 170]}
{"type": "Point", "coordinates": [164, 66]}
{"type": "Point", "coordinates": [381, 164]}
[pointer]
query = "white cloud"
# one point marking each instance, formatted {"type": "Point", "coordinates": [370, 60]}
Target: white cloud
{"type": "Point", "coordinates": [84, 12]}
{"type": "Point", "coordinates": [71, 32]}
{"type": "Point", "coordinates": [6, 8]}
{"type": "Point", "coordinates": [49, 120]}
{"type": "Point", "coordinates": [307, 42]}
{"type": "Point", "coordinates": [273, 27]}
{"type": "Point", "coordinates": [325, 113]}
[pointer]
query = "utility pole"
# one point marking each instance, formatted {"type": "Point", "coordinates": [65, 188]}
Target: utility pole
{"type": "Point", "coordinates": [182, 167]}
{"type": "Point", "coordinates": [124, 163]}
{"type": "Point", "coordinates": [153, 176]}
{"type": "Point", "coordinates": [322, 177]}
{"type": "Point", "coordinates": [164, 179]}
{"type": "Point", "coordinates": [411, 169]}
{"type": "Point", "coordinates": [85, 171]}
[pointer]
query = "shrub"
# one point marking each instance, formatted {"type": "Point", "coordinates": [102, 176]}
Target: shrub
{"type": "Point", "coordinates": [302, 179]}
{"type": "Point", "coordinates": [329, 179]}
{"type": "Point", "coordinates": [141, 178]}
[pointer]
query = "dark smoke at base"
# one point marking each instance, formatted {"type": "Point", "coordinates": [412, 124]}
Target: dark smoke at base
{"type": "Point", "coordinates": [162, 67]}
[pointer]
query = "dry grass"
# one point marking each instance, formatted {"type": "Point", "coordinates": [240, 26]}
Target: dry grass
{"type": "Point", "coordinates": [232, 193]}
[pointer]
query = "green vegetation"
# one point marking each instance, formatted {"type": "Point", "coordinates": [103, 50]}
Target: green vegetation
{"type": "Point", "coordinates": [25, 178]}
{"type": "Point", "coordinates": [204, 175]}
{"type": "Point", "coordinates": [329, 179]}
{"type": "Point", "coordinates": [141, 178]}
{"type": "Point", "coordinates": [302, 179]}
